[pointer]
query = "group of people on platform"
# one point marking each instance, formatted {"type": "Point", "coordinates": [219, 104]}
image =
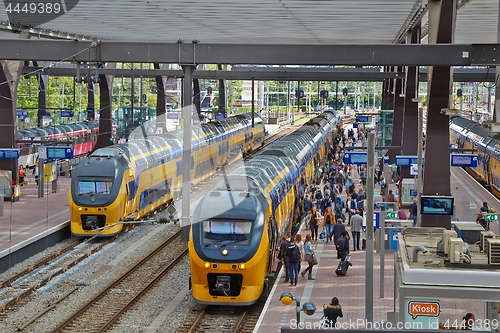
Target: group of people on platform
{"type": "Point", "coordinates": [324, 207]}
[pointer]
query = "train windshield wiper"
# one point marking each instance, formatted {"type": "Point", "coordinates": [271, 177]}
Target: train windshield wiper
{"type": "Point", "coordinates": [225, 242]}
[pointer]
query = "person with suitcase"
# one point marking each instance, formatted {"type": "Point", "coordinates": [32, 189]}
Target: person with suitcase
{"type": "Point", "coordinates": [342, 245]}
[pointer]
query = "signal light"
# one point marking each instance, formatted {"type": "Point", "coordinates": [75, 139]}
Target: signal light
{"type": "Point", "coordinates": [459, 92]}
{"type": "Point", "coordinates": [207, 265]}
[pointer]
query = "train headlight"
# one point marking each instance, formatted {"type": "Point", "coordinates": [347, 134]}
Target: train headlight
{"type": "Point", "coordinates": [207, 265]}
{"type": "Point", "coordinates": [225, 252]}
{"type": "Point", "coordinates": [242, 266]}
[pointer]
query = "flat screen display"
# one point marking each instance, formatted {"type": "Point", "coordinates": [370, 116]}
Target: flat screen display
{"type": "Point", "coordinates": [436, 205]}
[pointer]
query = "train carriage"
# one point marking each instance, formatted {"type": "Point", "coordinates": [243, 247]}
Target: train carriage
{"type": "Point", "coordinates": [236, 227]}
{"type": "Point", "coordinates": [150, 172]}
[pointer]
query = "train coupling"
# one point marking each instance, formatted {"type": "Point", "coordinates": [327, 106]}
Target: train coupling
{"type": "Point", "coordinates": [223, 284]}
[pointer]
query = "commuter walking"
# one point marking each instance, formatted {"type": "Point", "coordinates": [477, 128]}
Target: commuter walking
{"type": "Point", "coordinates": [308, 255]}
{"type": "Point", "coordinates": [356, 228]}
{"type": "Point", "coordinates": [328, 223]}
{"type": "Point", "coordinates": [293, 254]}
{"type": "Point", "coordinates": [331, 312]}
{"type": "Point", "coordinates": [383, 188]}
{"type": "Point", "coordinates": [313, 218]}
{"type": "Point", "coordinates": [413, 212]}
{"type": "Point", "coordinates": [21, 175]}
{"type": "Point", "coordinates": [35, 173]}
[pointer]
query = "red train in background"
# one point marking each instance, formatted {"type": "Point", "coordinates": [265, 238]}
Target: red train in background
{"type": "Point", "coordinates": [82, 136]}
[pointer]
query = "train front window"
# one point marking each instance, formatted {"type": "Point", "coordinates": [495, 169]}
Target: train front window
{"type": "Point", "coordinates": [226, 232]}
{"type": "Point", "coordinates": [94, 185]}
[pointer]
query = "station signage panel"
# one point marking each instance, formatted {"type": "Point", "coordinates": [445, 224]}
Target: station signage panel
{"type": "Point", "coordinates": [491, 217]}
{"type": "Point", "coordinates": [9, 153]}
{"type": "Point", "coordinates": [21, 113]}
{"type": "Point", "coordinates": [402, 160]}
{"type": "Point", "coordinates": [464, 160]}
{"type": "Point", "coordinates": [364, 119]}
{"type": "Point", "coordinates": [391, 215]}
{"type": "Point", "coordinates": [386, 160]}
{"type": "Point", "coordinates": [58, 152]}
{"type": "Point", "coordinates": [356, 158]}
{"type": "Point", "coordinates": [68, 114]}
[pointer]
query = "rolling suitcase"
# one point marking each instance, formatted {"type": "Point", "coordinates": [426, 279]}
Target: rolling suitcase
{"type": "Point", "coordinates": [343, 267]}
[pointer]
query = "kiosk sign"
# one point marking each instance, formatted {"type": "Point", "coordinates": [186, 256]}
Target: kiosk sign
{"type": "Point", "coordinates": [424, 312]}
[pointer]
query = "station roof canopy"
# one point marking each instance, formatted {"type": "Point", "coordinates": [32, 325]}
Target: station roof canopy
{"type": "Point", "coordinates": [260, 21]}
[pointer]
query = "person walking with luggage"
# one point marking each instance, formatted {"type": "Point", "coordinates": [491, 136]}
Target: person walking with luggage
{"type": "Point", "coordinates": [22, 174]}
{"type": "Point", "coordinates": [332, 312]}
{"type": "Point", "coordinates": [313, 218]}
{"type": "Point", "coordinates": [342, 245]}
{"type": "Point", "coordinates": [308, 254]}
{"type": "Point", "coordinates": [356, 228]}
{"type": "Point", "coordinates": [338, 228]}
{"type": "Point", "coordinates": [328, 223]}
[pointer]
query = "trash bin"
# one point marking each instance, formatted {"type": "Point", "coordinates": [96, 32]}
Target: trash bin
{"type": "Point", "coordinates": [391, 241]}
{"type": "Point", "coordinates": [17, 193]}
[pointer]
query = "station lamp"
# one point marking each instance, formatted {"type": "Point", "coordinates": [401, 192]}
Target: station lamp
{"type": "Point", "coordinates": [308, 308]}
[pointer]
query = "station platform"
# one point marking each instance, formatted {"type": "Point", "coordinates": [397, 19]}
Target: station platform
{"type": "Point", "coordinates": [32, 220]}
{"type": "Point", "coordinates": [350, 290]}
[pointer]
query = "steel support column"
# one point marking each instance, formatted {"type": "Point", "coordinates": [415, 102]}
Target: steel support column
{"type": "Point", "coordinates": [197, 96]}
{"type": "Point", "coordinates": [385, 90]}
{"type": "Point", "coordinates": [410, 117]}
{"type": "Point", "coordinates": [187, 115]}
{"type": "Point", "coordinates": [161, 102]}
{"type": "Point", "coordinates": [222, 93]}
{"type": "Point", "coordinates": [436, 176]}
{"type": "Point", "coordinates": [397, 120]}
{"type": "Point", "coordinates": [106, 93]}
{"type": "Point", "coordinates": [8, 114]}
{"type": "Point", "coordinates": [496, 108]}
{"type": "Point", "coordinates": [90, 100]}
{"type": "Point", "coordinates": [42, 96]}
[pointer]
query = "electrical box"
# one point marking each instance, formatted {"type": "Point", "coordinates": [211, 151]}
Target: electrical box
{"type": "Point", "coordinates": [456, 248]}
{"type": "Point", "coordinates": [485, 235]}
{"type": "Point", "coordinates": [493, 251]}
{"type": "Point", "coordinates": [408, 185]}
{"type": "Point", "coordinates": [447, 234]}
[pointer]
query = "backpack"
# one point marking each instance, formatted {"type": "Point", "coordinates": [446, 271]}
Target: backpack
{"type": "Point", "coordinates": [340, 244]}
{"type": "Point", "coordinates": [293, 253]}
{"type": "Point", "coordinates": [318, 195]}
{"type": "Point", "coordinates": [383, 184]}
{"type": "Point", "coordinates": [354, 205]}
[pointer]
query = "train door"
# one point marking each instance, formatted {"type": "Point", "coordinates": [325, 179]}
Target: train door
{"type": "Point", "coordinates": [272, 232]}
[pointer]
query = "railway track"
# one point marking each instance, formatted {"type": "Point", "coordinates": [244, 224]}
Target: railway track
{"type": "Point", "coordinates": [225, 319]}
{"type": "Point", "coordinates": [105, 309]}
{"type": "Point", "coordinates": [19, 288]}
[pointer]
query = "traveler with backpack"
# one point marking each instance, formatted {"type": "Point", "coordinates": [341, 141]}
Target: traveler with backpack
{"type": "Point", "coordinates": [342, 246]}
{"type": "Point", "coordinates": [293, 255]}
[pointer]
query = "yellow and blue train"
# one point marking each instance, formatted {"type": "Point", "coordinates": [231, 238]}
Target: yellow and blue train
{"type": "Point", "coordinates": [469, 134]}
{"type": "Point", "coordinates": [237, 225]}
{"type": "Point", "coordinates": [128, 180]}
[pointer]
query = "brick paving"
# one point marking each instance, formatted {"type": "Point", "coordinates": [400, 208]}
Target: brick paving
{"type": "Point", "coordinates": [351, 289]}
{"type": "Point", "coordinates": [31, 216]}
